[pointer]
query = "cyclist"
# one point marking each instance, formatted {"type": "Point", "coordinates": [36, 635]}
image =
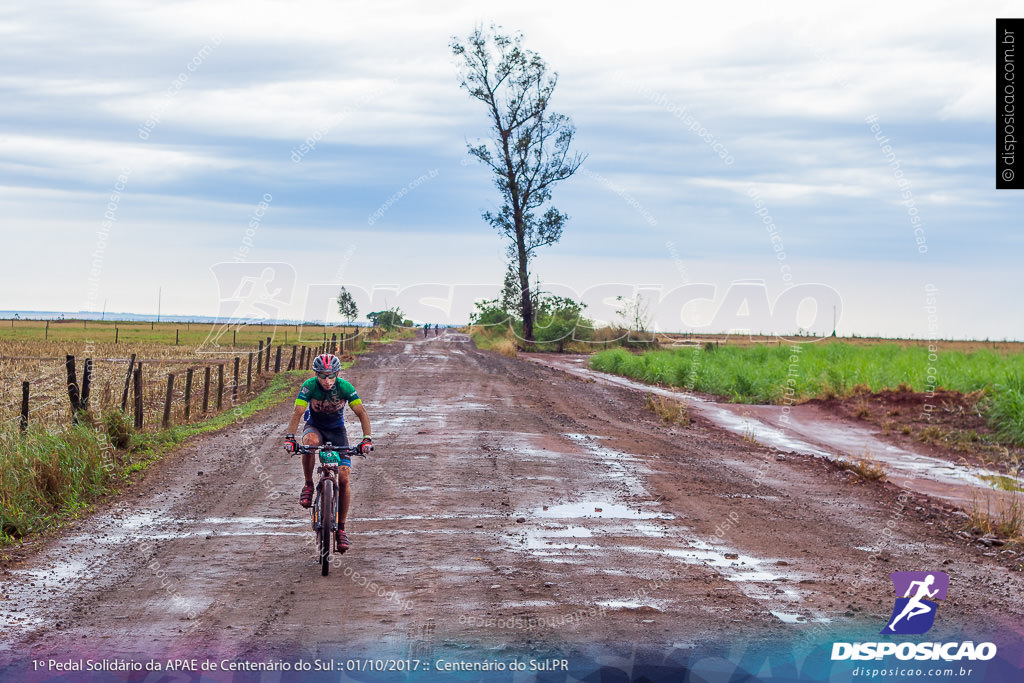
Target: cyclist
{"type": "Point", "coordinates": [321, 402]}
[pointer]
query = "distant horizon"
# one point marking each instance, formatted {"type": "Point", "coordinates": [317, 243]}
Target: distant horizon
{"type": "Point", "coordinates": [152, 317]}
{"type": "Point", "coordinates": [6, 316]}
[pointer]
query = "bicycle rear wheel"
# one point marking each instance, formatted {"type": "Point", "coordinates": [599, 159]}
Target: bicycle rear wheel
{"type": "Point", "coordinates": [326, 524]}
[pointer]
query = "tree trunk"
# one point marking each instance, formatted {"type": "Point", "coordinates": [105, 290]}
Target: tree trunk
{"type": "Point", "coordinates": [524, 283]}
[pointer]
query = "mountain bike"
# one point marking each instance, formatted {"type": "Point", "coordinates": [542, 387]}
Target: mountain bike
{"type": "Point", "coordinates": [324, 513]}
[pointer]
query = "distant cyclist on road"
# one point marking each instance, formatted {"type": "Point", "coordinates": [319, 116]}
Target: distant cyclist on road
{"type": "Point", "coordinates": [321, 402]}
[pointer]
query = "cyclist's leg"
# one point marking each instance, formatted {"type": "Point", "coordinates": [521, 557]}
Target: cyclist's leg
{"type": "Point", "coordinates": [344, 494]}
{"type": "Point", "coordinates": [310, 437]}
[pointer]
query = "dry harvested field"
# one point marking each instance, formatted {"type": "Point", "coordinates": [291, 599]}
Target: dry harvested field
{"type": "Point", "coordinates": [36, 351]}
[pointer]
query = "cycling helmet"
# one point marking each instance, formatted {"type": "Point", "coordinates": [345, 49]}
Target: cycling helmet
{"type": "Point", "coordinates": [326, 362]}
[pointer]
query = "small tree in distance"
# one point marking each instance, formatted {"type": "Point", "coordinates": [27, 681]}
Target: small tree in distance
{"type": "Point", "coordinates": [347, 308]}
{"type": "Point", "coordinates": [388, 318]}
{"type": "Point", "coordinates": [636, 312]}
{"type": "Point", "coordinates": [529, 150]}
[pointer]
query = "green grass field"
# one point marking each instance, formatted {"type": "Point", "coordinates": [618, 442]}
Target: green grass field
{"type": "Point", "coordinates": [798, 372]}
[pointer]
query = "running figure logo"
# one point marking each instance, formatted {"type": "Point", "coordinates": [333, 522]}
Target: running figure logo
{"type": "Point", "coordinates": [914, 612]}
{"type": "Point", "coordinates": [249, 292]}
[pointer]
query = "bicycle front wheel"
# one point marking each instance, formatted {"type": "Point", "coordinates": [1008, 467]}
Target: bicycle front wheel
{"type": "Point", "coordinates": [326, 524]}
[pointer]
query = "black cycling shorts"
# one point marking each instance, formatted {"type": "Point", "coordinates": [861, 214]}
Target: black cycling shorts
{"type": "Point", "coordinates": [337, 437]}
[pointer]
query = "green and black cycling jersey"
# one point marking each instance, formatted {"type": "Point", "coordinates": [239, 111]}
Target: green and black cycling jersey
{"type": "Point", "coordinates": [326, 409]}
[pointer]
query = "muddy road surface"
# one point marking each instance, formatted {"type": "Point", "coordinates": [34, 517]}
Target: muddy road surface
{"type": "Point", "coordinates": [509, 509]}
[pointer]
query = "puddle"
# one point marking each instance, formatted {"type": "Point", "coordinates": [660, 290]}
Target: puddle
{"type": "Point", "coordinates": [510, 604]}
{"type": "Point", "coordinates": [402, 518]}
{"type": "Point", "coordinates": [621, 467]}
{"type": "Point", "coordinates": [751, 574]}
{"type": "Point", "coordinates": [597, 510]}
{"type": "Point", "coordinates": [658, 605]}
{"type": "Point", "coordinates": [740, 568]}
{"type": "Point", "coordinates": [260, 522]}
{"type": "Point", "coordinates": [789, 618]}
{"type": "Point", "coordinates": [57, 576]}
{"type": "Point", "coordinates": [470, 406]}
{"type": "Point", "coordinates": [541, 539]}
{"type": "Point", "coordinates": [651, 530]}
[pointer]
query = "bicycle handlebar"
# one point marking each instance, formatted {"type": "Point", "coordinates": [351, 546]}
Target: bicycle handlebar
{"type": "Point", "coordinates": [302, 448]}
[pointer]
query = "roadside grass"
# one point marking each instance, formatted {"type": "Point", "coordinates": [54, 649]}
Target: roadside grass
{"type": "Point", "coordinates": [866, 466]}
{"type": "Point", "coordinates": [1007, 521]}
{"type": "Point", "coordinates": [669, 410]}
{"type": "Point", "coordinates": [795, 373]}
{"type": "Point", "coordinates": [498, 338]}
{"type": "Point", "coordinates": [49, 476]}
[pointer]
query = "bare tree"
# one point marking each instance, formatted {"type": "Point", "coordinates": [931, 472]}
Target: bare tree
{"type": "Point", "coordinates": [529, 148]}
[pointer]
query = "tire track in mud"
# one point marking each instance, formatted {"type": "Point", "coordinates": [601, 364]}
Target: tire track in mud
{"type": "Point", "coordinates": [507, 507]}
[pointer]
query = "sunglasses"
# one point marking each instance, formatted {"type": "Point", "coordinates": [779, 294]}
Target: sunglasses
{"type": "Point", "coordinates": [326, 375]}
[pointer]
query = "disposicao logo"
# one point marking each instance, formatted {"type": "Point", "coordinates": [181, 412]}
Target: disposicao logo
{"type": "Point", "coordinates": [914, 612]}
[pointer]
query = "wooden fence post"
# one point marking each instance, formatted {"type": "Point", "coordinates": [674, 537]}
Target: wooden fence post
{"type": "Point", "coordinates": [267, 362]}
{"type": "Point", "coordinates": [234, 387]}
{"type": "Point", "coordinates": [24, 406]}
{"type": "Point", "coordinates": [234, 336]}
{"type": "Point", "coordinates": [291, 363]}
{"type": "Point", "coordinates": [86, 383]}
{"type": "Point", "coordinates": [220, 386]}
{"type": "Point", "coordinates": [259, 358]}
{"type": "Point", "coordinates": [188, 393]}
{"type": "Point", "coordinates": [206, 389]}
{"type": "Point", "coordinates": [138, 397]}
{"type": "Point", "coordinates": [69, 364]}
{"type": "Point", "coordinates": [334, 343]}
{"type": "Point", "coordinates": [248, 375]}
{"type": "Point", "coordinates": [167, 400]}
{"type": "Point", "coordinates": [277, 360]}
{"type": "Point", "coordinates": [127, 383]}
{"type": "Point", "coordinates": [117, 332]}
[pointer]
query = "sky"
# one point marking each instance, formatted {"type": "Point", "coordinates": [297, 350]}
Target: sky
{"type": "Point", "coordinates": [773, 167]}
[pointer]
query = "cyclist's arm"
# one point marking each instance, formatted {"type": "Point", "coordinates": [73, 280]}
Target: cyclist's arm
{"type": "Point", "coordinates": [293, 424]}
{"type": "Point", "coordinates": [364, 419]}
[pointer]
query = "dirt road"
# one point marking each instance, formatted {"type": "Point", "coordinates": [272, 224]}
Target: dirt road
{"type": "Point", "coordinates": [509, 508]}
